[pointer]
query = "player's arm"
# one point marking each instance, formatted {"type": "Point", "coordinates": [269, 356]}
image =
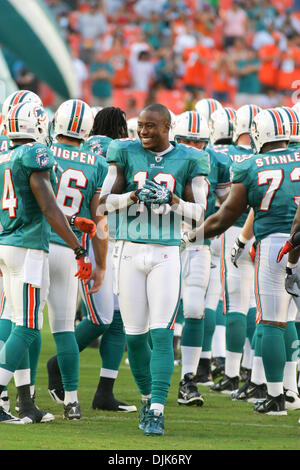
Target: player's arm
{"type": "Point", "coordinates": [100, 244]}
{"type": "Point", "coordinates": [42, 190]}
{"type": "Point", "coordinates": [112, 197]}
{"type": "Point", "coordinates": [292, 244]}
{"type": "Point", "coordinates": [229, 212]}
{"type": "Point", "coordinates": [243, 238]}
{"type": "Point", "coordinates": [194, 202]}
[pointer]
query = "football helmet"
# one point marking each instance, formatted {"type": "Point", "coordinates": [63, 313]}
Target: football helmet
{"type": "Point", "coordinates": [28, 121]}
{"type": "Point", "coordinates": [242, 120]}
{"type": "Point", "coordinates": [73, 118]}
{"type": "Point", "coordinates": [190, 125]}
{"type": "Point", "coordinates": [294, 120]}
{"type": "Point", "coordinates": [220, 125]}
{"type": "Point", "coordinates": [17, 97]}
{"type": "Point", "coordinates": [207, 106]}
{"type": "Point", "coordinates": [269, 125]}
{"type": "Point", "coordinates": [132, 127]}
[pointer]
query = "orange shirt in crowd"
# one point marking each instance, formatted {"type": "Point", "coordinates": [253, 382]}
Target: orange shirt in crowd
{"type": "Point", "coordinates": [289, 68]}
{"type": "Point", "coordinates": [220, 73]}
{"type": "Point", "coordinates": [196, 65]}
{"type": "Point", "coordinates": [269, 56]}
{"type": "Point", "coordinates": [118, 58]}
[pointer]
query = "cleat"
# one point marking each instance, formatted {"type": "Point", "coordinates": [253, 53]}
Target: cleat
{"type": "Point", "coordinates": [188, 393]}
{"type": "Point", "coordinates": [154, 425]}
{"type": "Point", "coordinates": [271, 405]}
{"type": "Point", "coordinates": [17, 407]}
{"type": "Point", "coordinates": [292, 400]}
{"type": "Point", "coordinates": [142, 415]}
{"type": "Point", "coordinates": [250, 392]}
{"type": "Point", "coordinates": [244, 374]}
{"type": "Point", "coordinates": [34, 415]}
{"type": "Point", "coordinates": [111, 404]}
{"type": "Point", "coordinates": [217, 367]}
{"type": "Point", "coordinates": [5, 404]}
{"type": "Point", "coordinates": [57, 395]}
{"type": "Point", "coordinates": [226, 384]}
{"type": "Point", "coordinates": [55, 386]}
{"type": "Point", "coordinates": [203, 375]}
{"type": "Point", "coordinates": [72, 411]}
{"type": "Point", "coordinates": [8, 418]}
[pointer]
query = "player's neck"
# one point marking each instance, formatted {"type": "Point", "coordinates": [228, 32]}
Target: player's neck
{"type": "Point", "coordinates": [244, 140]}
{"type": "Point", "coordinates": [269, 146]}
{"type": "Point", "coordinates": [68, 141]}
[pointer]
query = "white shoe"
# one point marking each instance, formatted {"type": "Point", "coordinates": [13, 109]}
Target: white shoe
{"type": "Point", "coordinates": [292, 400]}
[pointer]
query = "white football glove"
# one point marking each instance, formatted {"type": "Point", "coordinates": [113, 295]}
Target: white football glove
{"type": "Point", "coordinates": [236, 251]}
{"type": "Point", "coordinates": [292, 282]}
{"type": "Point", "coordinates": [185, 240]}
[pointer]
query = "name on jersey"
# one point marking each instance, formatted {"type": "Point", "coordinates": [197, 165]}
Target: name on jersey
{"type": "Point", "coordinates": [277, 159]}
{"type": "Point", "coordinates": [4, 146]}
{"type": "Point", "coordinates": [73, 155]}
{"type": "Point", "coordinates": [239, 158]}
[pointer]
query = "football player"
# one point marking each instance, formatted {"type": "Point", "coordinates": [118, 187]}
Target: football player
{"type": "Point", "coordinates": [102, 317]}
{"type": "Point", "coordinates": [268, 182]}
{"type": "Point", "coordinates": [29, 212]}
{"type": "Point", "coordinates": [237, 282]}
{"type": "Point", "coordinates": [80, 176]}
{"type": "Point", "coordinates": [192, 129]}
{"type": "Point", "coordinates": [154, 184]}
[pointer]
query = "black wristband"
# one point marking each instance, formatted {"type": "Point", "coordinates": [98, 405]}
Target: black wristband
{"type": "Point", "coordinates": [289, 271]}
{"type": "Point", "coordinates": [72, 220]}
{"type": "Point", "coordinates": [79, 252]}
{"type": "Point", "coordinates": [240, 244]}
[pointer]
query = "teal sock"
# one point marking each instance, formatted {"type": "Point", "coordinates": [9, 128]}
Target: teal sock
{"type": "Point", "coordinates": [192, 333]}
{"type": "Point", "coordinates": [209, 329]}
{"type": "Point", "coordinates": [291, 342]}
{"type": "Point", "coordinates": [34, 355]}
{"type": "Point", "coordinates": [112, 344]}
{"type": "Point", "coordinates": [220, 317]}
{"type": "Point", "coordinates": [236, 325]}
{"type": "Point", "coordinates": [251, 323]}
{"type": "Point", "coordinates": [273, 352]}
{"type": "Point", "coordinates": [86, 332]}
{"type": "Point", "coordinates": [5, 330]}
{"type": "Point", "coordinates": [139, 355]}
{"type": "Point", "coordinates": [297, 325]}
{"type": "Point", "coordinates": [16, 346]}
{"type": "Point", "coordinates": [68, 359]}
{"type": "Point", "coordinates": [162, 364]}
{"type": "Point", "coordinates": [180, 315]}
{"type": "Point", "coordinates": [257, 340]}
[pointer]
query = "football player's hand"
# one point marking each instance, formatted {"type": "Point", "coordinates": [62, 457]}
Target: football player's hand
{"type": "Point", "coordinates": [252, 251]}
{"type": "Point", "coordinates": [97, 277]}
{"type": "Point", "coordinates": [287, 247]}
{"type": "Point", "coordinates": [143, 194]}
{"type": "Point", "coordinates": [292, 282]}
{"type": "Point", "coordinates": [158, 193]}
{"type": "Point", "coordinates": [85, 225]}
{"type": "Point", "coordinates": [236, 251]}
{"type": "Point", "coordinates": [186, 240]}
{"type": "Point", "coordinates": [84, 264]}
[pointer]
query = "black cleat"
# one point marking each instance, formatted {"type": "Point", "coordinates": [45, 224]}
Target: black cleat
{"type": "Point", "coordinates": [271, 405]}
{"type": "Point", "coordinates": [188, 393]}
{"type": "Point", "coordinates": [250, 392]}
{"type": "Point", "coordinates": [33, 415]}
{"type": "Point", "coordinates": [55, 386]}
{"type": "Point", "coordinates": [8, 418]}
{"type": "Point", "coordinates": [111, 404]}
{"type": "Point", "coordinates": [203, 375]}
{"type": "Point", "coordinates": [244, 374]}
{"type": "Point", "coordinates": [226, 384]}
{"type": "Point", "coordinates": [217, 367]}
{"type": "Point", "coordinates": [72, 411]}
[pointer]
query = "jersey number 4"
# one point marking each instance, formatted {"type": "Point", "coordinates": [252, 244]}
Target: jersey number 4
{"type": "Point", "coordinates": [9, 201]}
{"type": "Point", "coordinates": [275, 178]}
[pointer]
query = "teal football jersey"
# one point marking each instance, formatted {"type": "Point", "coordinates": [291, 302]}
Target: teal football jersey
{"type": "Point", "coordinates": [174, 169]}
{"type": "Point", "coordinates": [22, 221]}
{"type": "Point", "coordinates": [97, 144]}
{"type": "Point", "coordinates": [237, 153]}
{"type": "Point", "coordinates": [273, 185]}
{"type": "Point", "coordinates": [79, 176]}
{"type": "Point", "coordinates": [4, 144]}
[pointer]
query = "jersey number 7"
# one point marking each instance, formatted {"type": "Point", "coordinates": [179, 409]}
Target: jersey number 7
{"type": "Point", "coordinates": [275, 177]}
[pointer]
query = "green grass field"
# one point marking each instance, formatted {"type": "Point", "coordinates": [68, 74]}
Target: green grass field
{"type": "Point", "coordinates": [219, 425]}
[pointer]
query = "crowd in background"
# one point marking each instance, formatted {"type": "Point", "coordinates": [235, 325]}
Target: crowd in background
{"type": "Point", "coordinates": [133, 52]}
